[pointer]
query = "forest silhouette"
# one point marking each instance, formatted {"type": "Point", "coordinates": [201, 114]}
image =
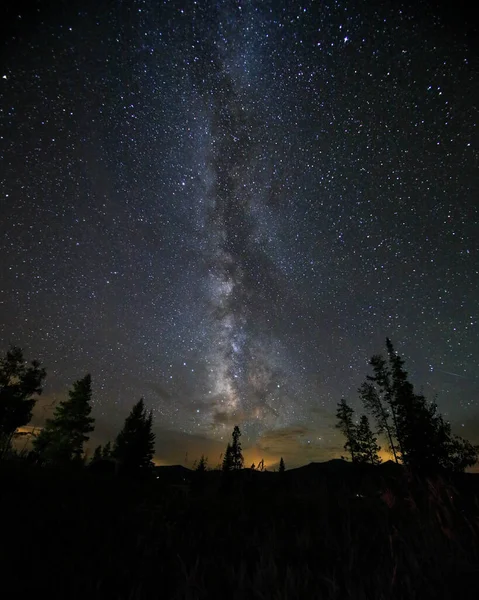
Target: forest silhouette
{"type": "Point", "coordinates": [114, 525]}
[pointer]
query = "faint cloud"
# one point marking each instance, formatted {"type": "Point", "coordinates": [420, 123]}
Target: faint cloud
{"type": "Point", "coordinates": [226, 418]}
{"type": "Point", "coordinates": [160, 390]}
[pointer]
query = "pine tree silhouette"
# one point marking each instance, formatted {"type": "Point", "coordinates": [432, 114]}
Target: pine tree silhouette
{"type": "Point", "coordinates": [97, 454]}
{"type": "Point", "coordinates": [367, 450]}
{"type": "Point", "coordinates": [227, 464]}
{"type": "Point", "coordinates": [62, 438]}
{"type": "Point", "coordinates": [413, 425]}
{"type": "Point", "coordinates": [346, 425]}
{"type": "Point", "coordinates": [377, 396]}
{"type": "Point", "coordinates": [135, 444]}
{"type": "Point", "coordinates": [201, 467]}
{"type": "Point", "coordinates": [282, 468]}
{"type": "Point", "coordinates": [106, 453]}
{"type": "Point", "coordinates": [19, 384]}
{"type": "Point", "coordinates": [236, 452]}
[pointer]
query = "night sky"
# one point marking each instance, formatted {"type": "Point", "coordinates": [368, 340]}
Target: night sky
{"type": "Point", "coordinates": [225, 207]}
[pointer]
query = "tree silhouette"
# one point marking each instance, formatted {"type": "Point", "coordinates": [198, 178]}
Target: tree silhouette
{"type": "Point", "coordinates": [367, 448]}
{"type": "Point", "coordinates": [233, 457]}
{"type": "Point", "coordinates": [97, 454]}
{"type": "Point", "coordinates": [62, 438]}
{"type": "Point", "coordinates": [106, 453]}
{"type": "Point", "coordinates": [202, 465]}
{"type": "Point", "coordinates": [346, 425]}
{"type": "Point", "coordinates": [282, 468]}
{"type": "Point", "coordinates": [19, 384]}
{"type": "Point", "coordinates": [236, 453]}
{"type": "Point", "coordinates": [377, 396]}
{"type": "Point", "coordinates": [414, 425]}
{"type": "Point", "coordinates": [135, 444]}
{"type": "Point", "coordinates": [227, 464]}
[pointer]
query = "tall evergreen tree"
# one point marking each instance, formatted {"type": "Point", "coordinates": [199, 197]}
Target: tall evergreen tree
{"type": "Point", "coordinates": [97, 454]}
{"type": "Point", "coordinates": [282, 468]}
{"type": "Point", "coordinates": [425, 439]}
{"type": "Point", "coordinates": [367, 446]}
{"type": "Point", "coordinates": [346, 425]}
{"type": "Point", "coordinates": [236, 452]}
{"type": "Point", "coordinates": [377, 396]}
{"type": "Point", "coordinates": [201, 467]}
{"type": "Point", "coordinates": [135, 444]}
{"type": "Point", "coordinates": [19, 384]}
{"type": "Point", "coordinates": [416, 428]}
{"type": "Point", "coordinates": [227, 464]}
{"type": "Point", "coordinates": [106, 452]}
{"type": "Point", "coordinates": [62, 438]}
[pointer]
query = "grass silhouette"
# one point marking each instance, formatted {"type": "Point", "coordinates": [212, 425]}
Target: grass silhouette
{"type": "Point", "coordinates": [313, 534]}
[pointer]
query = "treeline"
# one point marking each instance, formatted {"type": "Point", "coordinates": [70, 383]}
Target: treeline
{"type": "Point", "coordinates": [417, 434]}
{"type": "Point", "coordinates": [61, 441]}
{"type": "Point", "coordinates": [233, 459]}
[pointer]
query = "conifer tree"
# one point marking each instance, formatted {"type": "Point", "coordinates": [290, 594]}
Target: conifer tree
{"type": "Point", "coordinates": [106, 453]}
{"type": "Point", "coordinates": [62, 438]}
{"type": "Point", "coordinates": [413, 425]}
{"type": "Point", "coordinates": [367, 446]}
{"type": "Point", "coordinates": [198, 480]}
{"type": "Point", "coordinates": [19, 384]}
{"type": "Point", "coordinates": [227, 465]}
{"type": "Point", "coordinates": [377, 396]}
{"type": "Point", "coordinates": [97, 454]}
{"type": "Point", "coordinates": [236, 453]}
{"type": "Point", "coordinates": [201, 467]}
{"type": "Point", "coordinates": [135, 444]}
{"type": "Point", "coordinates": [282, 468]}
{"type": "Point", "coordinates": [346, 425]}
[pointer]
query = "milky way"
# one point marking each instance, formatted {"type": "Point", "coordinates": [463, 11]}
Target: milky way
{"type": "Point", "coordinates": [225, 207]}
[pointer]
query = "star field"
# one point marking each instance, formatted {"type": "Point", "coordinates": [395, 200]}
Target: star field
{"type": "Point", "coordinates": [225, 207]}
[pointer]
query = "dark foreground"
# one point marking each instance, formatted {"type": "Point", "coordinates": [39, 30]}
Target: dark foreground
{"type": "Point", "coordinates": [307, 535]}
